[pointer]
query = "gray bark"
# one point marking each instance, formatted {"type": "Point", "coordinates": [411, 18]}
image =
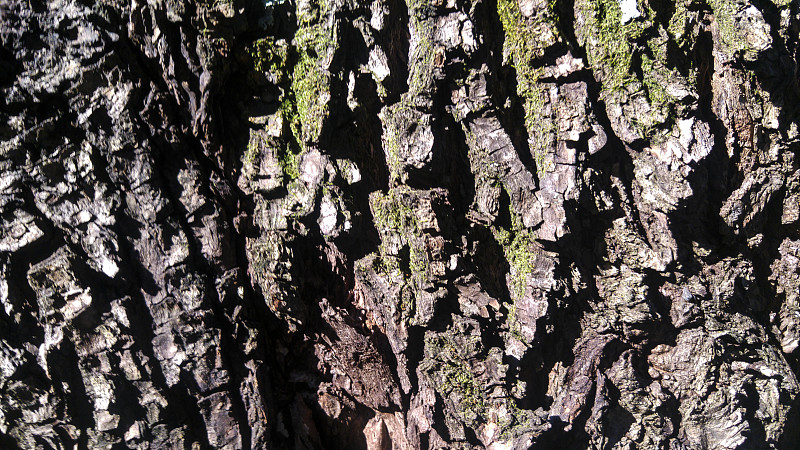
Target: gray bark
{"type": "Point", "coordinates": [423, 224]}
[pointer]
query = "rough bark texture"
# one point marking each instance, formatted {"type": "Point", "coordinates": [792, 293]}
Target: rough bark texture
{"type": "Point", "coordinates": [387, 225]}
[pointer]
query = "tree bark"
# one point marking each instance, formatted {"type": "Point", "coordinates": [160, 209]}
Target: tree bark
{"type": "Point", "coordinates": [397, 225]}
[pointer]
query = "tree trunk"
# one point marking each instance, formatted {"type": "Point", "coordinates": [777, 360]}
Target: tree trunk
{"type": "Point", "coordinates": [432, 224]}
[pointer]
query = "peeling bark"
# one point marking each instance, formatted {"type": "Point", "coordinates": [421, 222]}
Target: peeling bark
{"type": "Point", "coordinates": [394, 225]}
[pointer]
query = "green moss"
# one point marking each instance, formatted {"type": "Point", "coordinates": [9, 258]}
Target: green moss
{"type": "Point", "coordinates": [291, 148]}
{"type": "Point", "coordinates": [287, 153]}
{"type": "Point", "coordinates": [453, 378]}
{"type": "Point", "coordinates": [609, 48]}
{"type": "Point", "coordinates": [655, 90]}
{"type": "Point", "coordinates": [422, 7]}
{"type": "Point", "coordinates": [517, 421]}
{"type": "Point", "coordinates": [311, 82]}
{"type": "Point", "coordinates": [390, 268]}
{"type": "Point", "coordinates": [724, 12]}
{"type": "Point", "coordinates": [406, 301]}
{"type": "Point", "coordinates": [655, 78]}
{"type": "Point", "coordinates": [381, 89]}
{"type": "Point", "coordinates": [418, 262]}
{"type": "Point", "coordinates": [520, 257]}
{"type": "Point", "coordinates": [520, 251]}
{"type": "Point", "coordinates": [393, 159]}
{"type": "Point", "coordinates": [392, 211]}
{"type": "Point", "coordinates": [397, 120]}
{"type": "Point", "coordinates": [522, 48]}
{"type": "Point", "coordinates": [387, 264]}
{"type": "Point", "coordinates": [402, 255]}
{"type": "Point", "coordinates": [458, 379]}
{"type": "Point", "coordinates": [269, 56]}
{"type": "Point", "coordinates": [513, 324]}
{"type": "Point", "coordinates": [251, 153]}
{"type": "Point", "coordinates": [393, 214]}
{"type": "Point", "coordinates": [206, 5]}
{"type": "Point", "coordinates": [420, 77]}
{"type": "Point", "coordinates": [543, 163]}
{"type": "Point", "coordinates": [290, 163]}
{"type": "Point", "coordinates": [482, 165]}
{"type": "Point", "coordinates": [520, 44]}
{"type": "Point", "coordinates": [679, 27]}
{"type": "Point", "coordinates": [304, 102]}
{"type": "Point", "coordinates": [312, 12]}
{"type": "Point", "coordinates": [392, 137]}
{"type": "Point", "coordinates": [518, 245]}
{"type": "Point", "coordinates": [631, 58]}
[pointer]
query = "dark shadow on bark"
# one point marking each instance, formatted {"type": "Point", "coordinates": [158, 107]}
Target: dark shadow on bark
{"type": "Point", "coordinates": [63, 367]}
{"type": "Point", "coordinates": [791, 434]}
{"type": "Point", "coordinates": [456, 174]}
{"type": "Point", "coordinates": [358, 137]}
{"type": "Point", "coordinates": [396, 33]}
{"type": "Point", "coordinates": [29, 329]}
{"type": "Point", "coordinates": [617, 419]}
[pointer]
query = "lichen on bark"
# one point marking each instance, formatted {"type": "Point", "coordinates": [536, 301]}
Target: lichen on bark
{"type": "Point", "coordinates": [399, 224]}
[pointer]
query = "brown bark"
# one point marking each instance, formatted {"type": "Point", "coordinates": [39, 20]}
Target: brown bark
{"type": "Point", "coordinates": [388, 225]}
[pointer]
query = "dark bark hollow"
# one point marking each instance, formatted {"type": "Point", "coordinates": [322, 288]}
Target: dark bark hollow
{"type": "Point", "coordinates": [446, 224]}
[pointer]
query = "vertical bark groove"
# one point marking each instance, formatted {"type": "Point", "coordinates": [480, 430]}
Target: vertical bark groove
{"type": "Point", "coordinates": [399, 224]}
